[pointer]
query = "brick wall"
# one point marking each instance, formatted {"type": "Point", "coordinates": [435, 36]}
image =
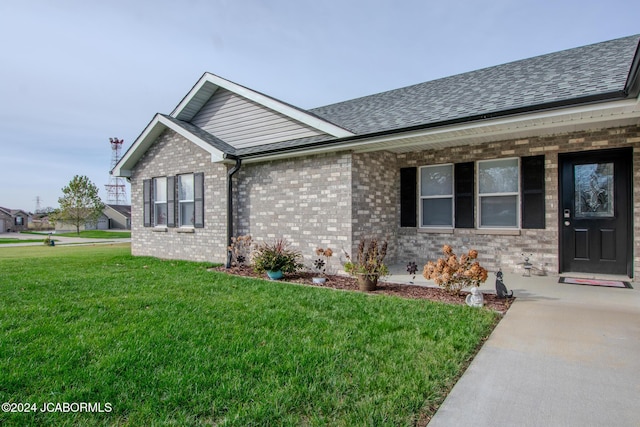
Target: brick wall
{"type": "Point", "coordinates": [375, 198]}
{"type": "Point", "coordinates": [172, 154]}
{"type": "Point", "coordinates": [335, 199]}
{"type": "Point", "coordinates": [306, 200]}
{"type": "Point", "coordinates": [503, 250]}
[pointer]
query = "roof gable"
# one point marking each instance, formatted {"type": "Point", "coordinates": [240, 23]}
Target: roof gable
{"type": "Point", "coordinates": [209, 84]}
{"type": "Point", "coordinates": [13, 212]}
{"type": "Point", "coordinates": [243, 123]}
{"type": "Point", "coordinates": [123, 210]}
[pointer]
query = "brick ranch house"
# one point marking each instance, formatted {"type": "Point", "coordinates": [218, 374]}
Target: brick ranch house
{"type": "Point", "coordinates": [13, 220]}
{"type": "Point", "coordinates": [539, 156]}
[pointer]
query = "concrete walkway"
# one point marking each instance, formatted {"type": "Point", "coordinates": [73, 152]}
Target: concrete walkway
{"type": "Point", "coordinates": [563, 355]}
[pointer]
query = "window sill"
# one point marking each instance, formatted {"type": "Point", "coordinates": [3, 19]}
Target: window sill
{"type": "Point", "coordinates": [499, 231]}
{"type": "Point", "coordinates": [436, 230]}
{"type": "Point", "coordinates": [186, 230]}
{"type": "Point", "coordinates": [159, 229]}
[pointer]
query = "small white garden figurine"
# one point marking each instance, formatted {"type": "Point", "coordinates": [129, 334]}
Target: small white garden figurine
{"type": "Point", "coordinates": [475, 298]}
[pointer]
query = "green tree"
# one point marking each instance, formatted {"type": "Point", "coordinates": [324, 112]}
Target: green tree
{"type": "Point", "coordinates": [80, 203]}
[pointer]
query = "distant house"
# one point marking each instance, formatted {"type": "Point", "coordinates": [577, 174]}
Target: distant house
{"type": "Point", "coordinates": [40, 221]}
{"type": "Point", "coordinates": [538, 157]}
{"type": "Point", "coordinates": [113, 217]}
{"type": "Point", "coordinates": [13, 220]}
{"type": "Point", "coordinates": [119, 216]}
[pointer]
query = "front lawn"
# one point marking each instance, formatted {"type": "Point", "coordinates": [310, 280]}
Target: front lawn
{"type": "Point", "coordinates": [6, 240]}
{"type": "Point", "coordinates": [88, 234]}
{"type": "Point", "coordinates": [170, 343]}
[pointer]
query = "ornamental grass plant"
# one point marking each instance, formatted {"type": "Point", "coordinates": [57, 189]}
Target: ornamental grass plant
{"type": "Point", "coordinates": [276, 256]}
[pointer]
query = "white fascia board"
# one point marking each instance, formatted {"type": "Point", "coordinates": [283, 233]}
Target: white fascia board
{"type": "Point", "coordinates": [199, 86]}
{"type": "Point", "coordinates": [138, 148]}
{"type": "Point", "coordinates": [287, 110]}
{"type": "Point", "coordinates": [540, 121]}
{"type": "Point", "coordinates": [216, 155]}
{"type": "Point", "coordinates": [153, 130]}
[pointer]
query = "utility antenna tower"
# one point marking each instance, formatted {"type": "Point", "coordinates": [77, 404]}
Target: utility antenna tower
{"type": "Point", "coordinates": [116, 189]}
{"type": "Point", "coordinates": [38, 205]}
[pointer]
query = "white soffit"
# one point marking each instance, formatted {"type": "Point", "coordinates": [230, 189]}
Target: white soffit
{"type": "Point", "coordinates": [208, 84]}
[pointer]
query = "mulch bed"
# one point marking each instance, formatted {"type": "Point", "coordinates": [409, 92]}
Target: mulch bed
{"type": "Point", "coordinates": [405, 291]}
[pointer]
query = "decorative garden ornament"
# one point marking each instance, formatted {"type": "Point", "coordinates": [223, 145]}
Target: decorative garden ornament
{"type": "Point", "coordinates": [475, 298]}
{"type": "Point", "coordinates": [501, 289]}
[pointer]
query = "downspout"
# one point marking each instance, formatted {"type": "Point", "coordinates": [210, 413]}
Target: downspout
{"type": "Point", "coordinates": [230, 174]}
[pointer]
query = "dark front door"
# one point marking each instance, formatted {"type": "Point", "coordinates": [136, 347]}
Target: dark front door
{"type": "Point", "coordinates": [595, 218]}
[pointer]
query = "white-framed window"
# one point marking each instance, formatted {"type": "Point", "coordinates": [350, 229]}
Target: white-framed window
{"type": "Point", "coordinates": [160, 201]}
{"type": "Point", "coordinates": [499, 193]}
{"type": "Point", "coordinates": [436, 196]}
{"type": "Point", "coordinates": [186, 205]}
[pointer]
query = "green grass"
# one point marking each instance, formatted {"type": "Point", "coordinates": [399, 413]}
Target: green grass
{"type": "Point", "coordinates": [170, 343]}
{"type": "Point", "coordinates": [5, 240]}
{"type": "Point", "coordinates": [91, 234]}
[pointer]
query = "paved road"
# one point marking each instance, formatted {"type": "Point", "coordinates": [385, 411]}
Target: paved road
{"type": "Point", "coordinates": [59, 240]}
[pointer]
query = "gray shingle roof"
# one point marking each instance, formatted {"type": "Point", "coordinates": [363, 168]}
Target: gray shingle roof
{"type": "Point", "coordinates": [596, 70]}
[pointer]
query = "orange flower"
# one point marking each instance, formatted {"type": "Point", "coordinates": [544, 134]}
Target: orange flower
{"type": "Point", "coordinates": [473, 254]}
{"type": "Point", "coordinates": [447, 250]}
{"type": "Point", "coordinates": [328, 252]}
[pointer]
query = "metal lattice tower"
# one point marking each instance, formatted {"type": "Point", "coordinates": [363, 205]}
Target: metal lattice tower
{"type": "Point", "coordinates": [116, 189]}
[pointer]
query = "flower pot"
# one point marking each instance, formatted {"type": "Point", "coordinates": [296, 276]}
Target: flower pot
{"type": "Point", "coordinates": [368, 282]}
{"type": "Point", "coordinates": [319, 279]}
{"type": "Point", "coordinates": [275, 275]}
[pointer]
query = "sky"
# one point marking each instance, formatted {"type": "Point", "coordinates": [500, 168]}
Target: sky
{"type": "Point", "coordinates": [75, 73]}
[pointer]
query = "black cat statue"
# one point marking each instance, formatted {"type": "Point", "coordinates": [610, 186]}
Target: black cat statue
{"type": "Point", "coordinates": [501, 289]}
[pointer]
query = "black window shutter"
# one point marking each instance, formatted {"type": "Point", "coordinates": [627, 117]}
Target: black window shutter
{"type": "Point", "coordinates": [146, 196]}
{"type": "Point", "coordinates": [464, 194]}
{"type": "Point", "coordinates": [171, 201]}
{"type": "Point", "coordinates": [408, 197]}
{"type": "Point", "coordinates": [198, 184]}
{"type": "Point", "coordinates": [532, 184]}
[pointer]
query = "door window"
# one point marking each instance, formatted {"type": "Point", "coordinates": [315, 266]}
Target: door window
{"type": "Point", "coordinates": [593, 190]}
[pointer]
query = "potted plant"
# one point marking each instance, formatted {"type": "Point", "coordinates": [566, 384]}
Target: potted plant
{"type": "Point", "coordinates": [321, 265]}
{"type": "Point", "coordinates": [368, 265]}
{"type": "Point", "coordinates": [276, 259]}
{"type": "Point", "coordinates": [454, 274]}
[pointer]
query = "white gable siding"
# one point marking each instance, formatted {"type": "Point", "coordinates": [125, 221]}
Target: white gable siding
{"type": "Point", "coordinates": [242, 123]}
